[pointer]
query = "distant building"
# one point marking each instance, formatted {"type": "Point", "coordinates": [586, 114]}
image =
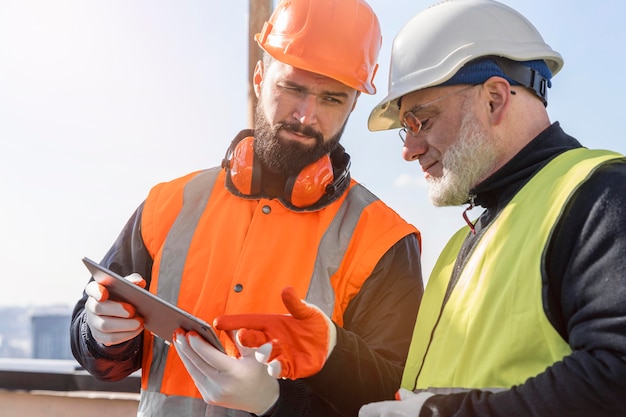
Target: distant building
{"type": "Point", "coordinates": [50, 333]}
{"type": "Point", "coordinates": [15, 334]}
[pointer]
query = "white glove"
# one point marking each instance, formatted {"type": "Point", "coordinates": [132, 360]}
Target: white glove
{"type": "Point", "coordinates": [409, 404]}
{"type": "Point", "coordinates": [112, 322]}
{"type": "Point", "coordinates": [239, 383]}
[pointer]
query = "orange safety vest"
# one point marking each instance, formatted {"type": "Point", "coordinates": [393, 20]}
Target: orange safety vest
{"type": "Point", "coordinates": [215, 253]}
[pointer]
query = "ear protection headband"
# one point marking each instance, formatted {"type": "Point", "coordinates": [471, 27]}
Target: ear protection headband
{"type": "Point", "coordinates": [309, 186]}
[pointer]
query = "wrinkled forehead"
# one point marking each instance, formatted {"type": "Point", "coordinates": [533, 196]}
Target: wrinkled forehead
{"type": "Point", "coordinates": [281, 72]}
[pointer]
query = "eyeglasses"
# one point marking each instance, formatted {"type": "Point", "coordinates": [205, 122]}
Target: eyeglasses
{"type": "Point", "coordinates": [411, 124]}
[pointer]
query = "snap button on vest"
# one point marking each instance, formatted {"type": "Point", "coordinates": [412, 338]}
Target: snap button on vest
{"type": "Point", "coordinates": [238, 288]}
{"type": "Point", "coordinates": [266, 209]}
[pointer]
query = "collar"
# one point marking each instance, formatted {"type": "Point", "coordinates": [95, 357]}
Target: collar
{"type": "Point", "coordinates": [500, 187]}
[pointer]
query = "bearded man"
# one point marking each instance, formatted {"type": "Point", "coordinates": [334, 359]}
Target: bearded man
{"type": "Point", "coordinates": [281, 211]}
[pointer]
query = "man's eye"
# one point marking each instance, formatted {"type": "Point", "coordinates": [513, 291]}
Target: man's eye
{"type": "Point", "coordinates": [290, 89]}
{"type": "Point", "coordinates": [332, 100]}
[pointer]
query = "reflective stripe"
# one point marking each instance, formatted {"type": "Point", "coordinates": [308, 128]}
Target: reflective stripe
{"type": "Point", "coordinates": [333, 247]}
{"type": "Point", "coordinates": [153, 404]}
{"type": "Point", "coordinates": [195, 197]}
{"type": "Point", "coordinates": [157, 365]}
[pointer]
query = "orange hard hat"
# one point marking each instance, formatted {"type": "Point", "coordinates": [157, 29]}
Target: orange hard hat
{"type": "Point", "coordinates": [336, 38]}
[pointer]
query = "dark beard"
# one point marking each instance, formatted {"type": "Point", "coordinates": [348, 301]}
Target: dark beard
{"type": "Point", "coordinates": [288, 157]}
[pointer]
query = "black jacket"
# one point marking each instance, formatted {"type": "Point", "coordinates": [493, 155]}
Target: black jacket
{"type": "Point", "coordinates": [584, 294]}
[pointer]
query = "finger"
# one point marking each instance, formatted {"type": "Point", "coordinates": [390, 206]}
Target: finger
{"type": "Point", "coordinates": [251, 338]}
{"type": "Point", "coordinates": [263, 353]}
{"type": "Point", "coordinates": [194, 364]}
{"type": "Point", "coordinates": [97, 291]}
{"type": "Point", "coordinates": [404, 394]}
{"type": "Point", "coordinates": [376, 409]}
{"type": "Point", "coordinates": [275, 352]}
{"type": "Point", "coordinates": [136, 279]}
{"type": "Point", "coordinates": [112, 331]}
{"type": "Point", "coordinates": [242, 349]}
{"type": "Point", "coordinates": [277, 360]}
{"type": "Point", "coordinates": [114, 324]}
{"type": "Point", "coordinates": [275, 369]}
{"type": "Point", "coordinates": [296, 307]}
{"type": "Point", "coordinates": [207, 353]}
{"type": "Point", "coordinates": [266, 354]}
{"type": "Point", "coordinates": [240, 321]}
{"type": "Point", "coordinates": [110, 308]}
{"type": "Point", "coordinates": [111, 324]}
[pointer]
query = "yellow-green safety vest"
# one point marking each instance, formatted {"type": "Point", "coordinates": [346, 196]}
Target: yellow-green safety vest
{"type": "Point", "coordinates": [492, 333]}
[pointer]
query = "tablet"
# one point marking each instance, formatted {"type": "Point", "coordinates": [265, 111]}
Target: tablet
{"type": "Point", "coordinates": [160, 317]}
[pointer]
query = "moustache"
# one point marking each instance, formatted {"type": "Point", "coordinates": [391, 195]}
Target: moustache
{"type": "Point", "coordinates": [301, 129]}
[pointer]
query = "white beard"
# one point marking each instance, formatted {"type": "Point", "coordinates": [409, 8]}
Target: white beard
{"type": "Point", "coordinates": [464, 164]}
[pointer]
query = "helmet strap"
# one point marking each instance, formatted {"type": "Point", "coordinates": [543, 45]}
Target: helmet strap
{"type": "Point", "coordinates": [525, 76]}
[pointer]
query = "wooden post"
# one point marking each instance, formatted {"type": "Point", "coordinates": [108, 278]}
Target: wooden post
{"type": "Point", "coordinates": [259, 12]}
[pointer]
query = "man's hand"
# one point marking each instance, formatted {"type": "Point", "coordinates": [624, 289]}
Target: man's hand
{"type": "Point", "coordinates": [112, 322]}
{"type": "Point", "coordinates": [292, 346]}
{"type": "Point", "coordinates": [409, 404]}
{"type": "Point", "coordinates": [239, 383]}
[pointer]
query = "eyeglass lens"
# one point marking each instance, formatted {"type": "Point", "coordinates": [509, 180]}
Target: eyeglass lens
{"type": "Point", "coordinates": [411, 124]}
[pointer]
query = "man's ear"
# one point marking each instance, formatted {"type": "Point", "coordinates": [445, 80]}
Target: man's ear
{"type": "Point", "coordinates": [257, 78]}
{"type": "Point", "coordinates": [499, 93]}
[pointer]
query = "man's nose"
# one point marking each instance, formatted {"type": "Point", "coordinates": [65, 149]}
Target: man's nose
{"type": "Point", "coordinates": [306, 112]}
{"type": "Point", "coordinates": [414, 147]}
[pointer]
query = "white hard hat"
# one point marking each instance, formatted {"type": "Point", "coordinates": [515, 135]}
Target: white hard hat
{"type": "Point", "coordinates": [437, 42]}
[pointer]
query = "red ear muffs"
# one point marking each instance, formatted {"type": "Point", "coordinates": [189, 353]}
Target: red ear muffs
{"type": "Point", "coordinates": [310, 185]}
{"type": "Point", "coordinates": [241, 166]}
{"type": "Point", "coordinates": [302, 190]}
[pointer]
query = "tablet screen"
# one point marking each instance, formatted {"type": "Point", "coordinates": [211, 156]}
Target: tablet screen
{"type": "Point", "coordinates": [160, 317]}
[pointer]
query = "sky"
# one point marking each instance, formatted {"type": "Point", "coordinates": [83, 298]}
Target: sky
{"type": "Point", "coordinates": [102, 99]}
